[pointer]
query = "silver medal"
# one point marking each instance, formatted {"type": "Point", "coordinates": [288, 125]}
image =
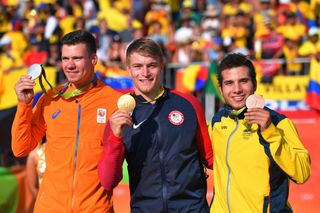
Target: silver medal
{"type": "Point", "coordinates": [34, 71]}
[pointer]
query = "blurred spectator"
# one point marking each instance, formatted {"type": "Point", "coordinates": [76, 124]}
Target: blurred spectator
{"type": "Point", "coordinates": [309, 46]}
{"type": "Point", "coordinates": [116, 53]}
{"type": "Point", "coordinates": [158, 11]}
{"type": "Point", "coordinates": [289, 52]}
{"type": "Point", "coordinates": [67, 23]}
{"type": "Point", "coordinates": [127, 34]}
{"type": "Point", "coordinates": [234, 36]}
{"type": "Point", "coordinates": [89, 12]}
{"type": "Point", "coordinates": [80, 23]}
{"type": "Point", "coordinates": [304, 13]}
{"type": "Point", "coordinates": [10, 59]}
{"type": "Point", "coordinates": [104, 36]}
{"type": "Point", "coordinates": [292, 27]}
{"type": "Point", "coordinates": [214, 51]}
{"type": "Point", "coordinates": [156, 34]}
{"type": "Point", "coordinates": [52, 31]}
{"type": "Point", "coordinates": [232, 7]}
{"type": "Point", "coordinates": [267, 42]}
{"type": "Point", "coordinates": [210, 23]}
{"type": "Point", "coordinates": [34, 55]}
{"type": "Point", "coordinates": [188, 10]}
{"type": "Point", "coordinates": [184, 34]}
{"type": "Point", "coordinates": [18, 39]}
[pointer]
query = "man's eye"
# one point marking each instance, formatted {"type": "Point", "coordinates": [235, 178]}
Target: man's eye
{"type": "Point", "coordinates": [152, 66]}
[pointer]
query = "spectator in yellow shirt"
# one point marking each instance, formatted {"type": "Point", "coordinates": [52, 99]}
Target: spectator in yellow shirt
{"type": "Point", "coordinates": [309, 46]}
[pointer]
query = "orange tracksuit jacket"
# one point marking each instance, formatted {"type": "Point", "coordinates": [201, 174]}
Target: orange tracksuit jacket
{"type": "Point", "coordinates": [74, 131]}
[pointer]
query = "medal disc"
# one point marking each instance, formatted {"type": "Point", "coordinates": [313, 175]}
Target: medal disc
{"type": "Point", "coordinates": [34, 71]}
{"type": "Point", "coordinates": [255, 101]}
{"type": "Point", "coordinates": [126, 102]}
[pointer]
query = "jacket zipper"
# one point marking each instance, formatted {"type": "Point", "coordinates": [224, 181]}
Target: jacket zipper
{"type": "Point", "coordinates": [164, 183]}
{"type": "Point", "coordinates": [75, 160]}
{"type": "Point", "coordinates": [228, 166]}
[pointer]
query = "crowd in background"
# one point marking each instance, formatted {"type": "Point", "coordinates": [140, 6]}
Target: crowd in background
{"type": "Point", "coordinates": [187, 30]}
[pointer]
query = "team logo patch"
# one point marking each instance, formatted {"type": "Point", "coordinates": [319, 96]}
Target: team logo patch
{"type": "Point", "coordinates": [101, 115]}
{"type": "Point", "coordinates": [176, 117]}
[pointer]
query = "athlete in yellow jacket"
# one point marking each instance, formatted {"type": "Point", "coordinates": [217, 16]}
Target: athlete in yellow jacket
{"type": "Point", "coordinates": [73, 123]}
{"type": "Point", "coordinates": [256, 151]}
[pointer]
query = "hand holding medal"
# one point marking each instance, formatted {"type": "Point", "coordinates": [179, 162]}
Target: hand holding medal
{"type": "Point", "coordinates": [255, 113]}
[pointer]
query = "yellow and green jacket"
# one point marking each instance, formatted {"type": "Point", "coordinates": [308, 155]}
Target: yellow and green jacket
{"type": "Point", "coordinates": [252, 169]}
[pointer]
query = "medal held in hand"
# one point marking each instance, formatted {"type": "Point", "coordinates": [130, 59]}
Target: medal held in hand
{"type": "Point", "coordinates": [255, 101]}
{"type": "Point", "coordinates": [34, 71]}
{"type": "Point", "coordinates": [126, 102]}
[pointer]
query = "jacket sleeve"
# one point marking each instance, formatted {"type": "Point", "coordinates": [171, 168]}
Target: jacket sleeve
{"type": "Point", "coordinates": [202, 137]}
{"type": "Point", "coordinates": [110, 165]}
{"type": "Point", "coordinates": [28, 128]}
{"type": "Point", "coordinates": [287, 150]}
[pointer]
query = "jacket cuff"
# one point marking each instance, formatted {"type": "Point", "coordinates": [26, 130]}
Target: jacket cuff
{"type": "Point", "coordinates": [114, 138]}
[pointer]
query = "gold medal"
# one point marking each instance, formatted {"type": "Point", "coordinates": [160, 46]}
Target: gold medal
{"type": "Point", "coordinates": [127, 103]}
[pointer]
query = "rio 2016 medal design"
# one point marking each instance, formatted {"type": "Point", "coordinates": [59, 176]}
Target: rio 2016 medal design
{"type": "Point", "coordinates": [255, 101]}
{"type": "Point", "coordinates": [126, 102]}
{"type": "Point", "coordinates": [34, 71]}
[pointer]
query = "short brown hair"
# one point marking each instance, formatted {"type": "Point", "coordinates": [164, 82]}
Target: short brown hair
{"type": "Point", "coordinates": [145, 47]}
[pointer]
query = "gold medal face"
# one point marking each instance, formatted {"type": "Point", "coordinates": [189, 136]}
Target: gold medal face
{"type": "Point", "coordinates": [126, 102]}
{"type": "Point", "coordinates": [34, 71]}
{"type": "Point", "coordinates": [255, 101]}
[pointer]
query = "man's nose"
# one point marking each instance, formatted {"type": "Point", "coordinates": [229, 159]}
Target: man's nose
{"type": "Point", "coordinates": [144, 70]}
{"type": "Point", "coordinates": [237, 88]}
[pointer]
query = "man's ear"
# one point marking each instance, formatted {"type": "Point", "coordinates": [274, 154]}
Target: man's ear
{"type": "Point", "coordinates": [94, 59]}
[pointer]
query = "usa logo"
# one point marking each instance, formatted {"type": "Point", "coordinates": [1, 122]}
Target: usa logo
{"type": "Point", "coordinates": [176, 117]}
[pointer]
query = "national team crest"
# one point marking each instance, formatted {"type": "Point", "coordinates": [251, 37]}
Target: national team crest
{"type": "Point", "coordinates": [176, 117]}
{"type": "Point", "coordinates": [101, 115]}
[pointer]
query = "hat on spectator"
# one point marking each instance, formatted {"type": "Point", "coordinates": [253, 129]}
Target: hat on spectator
{"type": "Point", "coordinates": [313, 31]}
{"type": "Point", "coordinates": [4, 41]}
{"type": "Point", "coordinates": [264, 1]}
{"type": "Point", "coordinates": [211, 11]}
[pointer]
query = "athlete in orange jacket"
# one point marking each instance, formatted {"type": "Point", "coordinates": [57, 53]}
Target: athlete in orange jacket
{"type": "Point", "coordinates": [73, 123]}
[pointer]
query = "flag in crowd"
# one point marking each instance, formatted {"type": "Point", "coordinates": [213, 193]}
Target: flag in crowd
{"type": "Point", "coordinates": [313, 89]}
{"type": "Point", "coordinates": [212, 84]}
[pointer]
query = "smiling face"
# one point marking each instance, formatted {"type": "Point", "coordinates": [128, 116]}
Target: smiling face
{"type": "Point", "coordinates": [78, 64]}
{"type": "Point", "coordinates": [146, 75]}
{"type": "Point", "coordinates": [236, 86]}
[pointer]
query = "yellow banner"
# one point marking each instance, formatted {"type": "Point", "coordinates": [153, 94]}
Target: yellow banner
{"type": "Point", "coordinates": [8, 96]}
{"type": "Point", "coordinates": [284, 88]}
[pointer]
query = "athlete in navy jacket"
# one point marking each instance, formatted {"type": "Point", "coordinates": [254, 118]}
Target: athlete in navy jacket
{"type": "Point", "coordinates": [165, 141]}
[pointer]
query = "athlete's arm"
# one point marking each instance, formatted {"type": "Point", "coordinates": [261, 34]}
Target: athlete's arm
{"type": "Point", "coordinates": [287, 150]}
{"type": "Point", "coordinates": [110, 165]}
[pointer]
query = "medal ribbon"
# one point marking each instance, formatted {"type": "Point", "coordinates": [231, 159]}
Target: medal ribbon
{"type": "Point", "coordinates": [61, 93]}
{"type": "Point", "coordinates": [238, 112]}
